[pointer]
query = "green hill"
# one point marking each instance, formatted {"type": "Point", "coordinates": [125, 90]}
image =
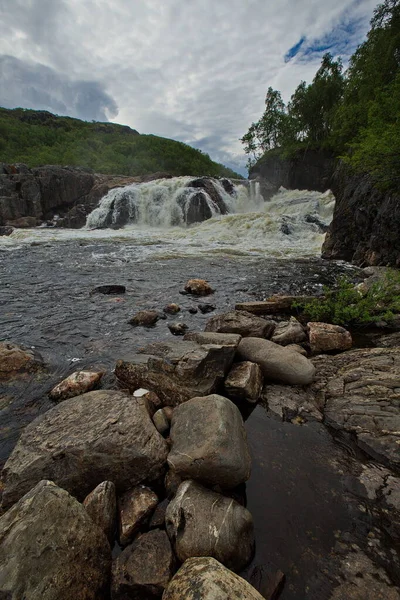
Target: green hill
{"type": "Point", "coordinates": [41, 138]}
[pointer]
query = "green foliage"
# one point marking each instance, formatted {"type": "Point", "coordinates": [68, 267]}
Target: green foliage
{"type": "Point", "coordinates": [346, 305]}
{"type": "Point", "coordinates": [40, 138]}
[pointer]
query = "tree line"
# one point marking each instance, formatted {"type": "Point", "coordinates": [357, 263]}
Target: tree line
{"type": "Point", "coordinates": [354, 113]}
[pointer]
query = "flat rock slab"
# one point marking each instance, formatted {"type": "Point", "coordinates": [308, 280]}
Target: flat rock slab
{"type": "Point", "coordinates": [241, 323]}
{"type": "Point", "coordinates": [177, 371]}
{"type": "Point", "coordinates": [360, 390]}
{"type": "Point", "coordinates": [212, 337]}
{"type": "Point", "coordinates": [50, 549]}
{"type": "Point", "coordinates": [143, 570]}
{"type": "Point", "coordinates": [207, 579]}
{"type": "Point", "coordinates": [99, 436]}
{"type": "Point", "coordinates": [277, 362]}
{"type": "Point", "coordinates": [209, 442]}
{"type": "Point", "coordinates": [200, 522]}
{"type": "Point", "coordinates": [274, 305]}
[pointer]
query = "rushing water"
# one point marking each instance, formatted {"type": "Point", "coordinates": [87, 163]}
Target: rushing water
{"type": "Point", "coordinates": [296, 492]}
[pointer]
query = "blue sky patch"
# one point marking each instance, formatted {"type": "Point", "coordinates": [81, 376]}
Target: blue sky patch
{"type": "Point", "coordinates": [291, 53]}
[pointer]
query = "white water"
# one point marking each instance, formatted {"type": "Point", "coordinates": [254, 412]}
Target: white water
{"type": "Point", "coordinates": [277, 228]}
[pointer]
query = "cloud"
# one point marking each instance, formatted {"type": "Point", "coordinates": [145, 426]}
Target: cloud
{"type": "Point", "coordinates": [195, 71]}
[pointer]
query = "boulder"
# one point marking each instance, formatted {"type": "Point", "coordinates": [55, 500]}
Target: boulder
{"type": "Point", "coordinates": [16, 361]}
{"type": "Point", "coordinates": [134, 507]}
{"type": "Point", "coordinates": [241, 323]}
{"type": "Point", "coordinates": [200, 522]}
{"type": "Point", "coordinates": [76, 384]}
{"type": "Point", "coordinates": [207, 579]}
{"type": "Point", "coordinates": [50, 549]}
{"type": "Point", "coordinates": [276, 362]}
{"type": "Point", "coordinates": [325, 337]}
{"type": "Point", "coordinates": [144, 318]}
{"type": "Point", "coordinates": [143, 570]}
{"type": "Point", "coordinates": [101, 506]}
{"type": "Point", "coordinates": [244, 382]}
{"type": "Point", "coordinates": [99, 436]}
{"type": "Point", "coordinates": [209, 442]}
{"type": "Point", "coordinates": [289, 332]}
{"type": "Point", "coordinates": [177, 371]}
{"type": "Point", "coordinates": [198, 287]}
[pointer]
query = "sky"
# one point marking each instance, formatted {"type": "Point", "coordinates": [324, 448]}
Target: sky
{"type": "Point", "coordinates": [191, 70]}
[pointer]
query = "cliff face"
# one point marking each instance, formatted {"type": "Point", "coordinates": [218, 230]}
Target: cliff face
{"type": "Point", "coordinates": [366, 222]}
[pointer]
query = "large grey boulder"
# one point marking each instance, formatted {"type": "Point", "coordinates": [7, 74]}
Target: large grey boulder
{"type": "Point", "coordinates": [177, 371]}
{"type": "Point", "coordinates": [144, 568]}
{"type": "Point", "coordinates": [242, 323]}
{"type": "Point", "coordinates": [209, 442]}
{"type": "Point", "coordinates": [289, 332]}
{"type": "Point", "coordinates": [50, 549]}
{"type": "Point", "coordinates": [99, 436]}
{"type": "Point", "coordinates": [277, 362]}
{"type": "Point", "coordinates": [207, 579]}
{"type": "Point", "coordinates": [200, 522]}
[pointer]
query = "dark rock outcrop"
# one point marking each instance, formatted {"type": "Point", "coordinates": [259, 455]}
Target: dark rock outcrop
{"type": "Point", "coordinates": [366, 222]}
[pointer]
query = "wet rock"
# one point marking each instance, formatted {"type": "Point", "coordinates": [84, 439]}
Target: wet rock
{"type": "Point", "coordinates": [50, 548]}
{"type": "Point", "coordinates": [15, 361]}
{"type": "Point", "coordinates": [203, 523]}
{"type": "Point", "coordinates": [109, 290]}
{"type": "Point", "coordinates": [315, 220]}
{"type": "Point", "coordinates": [157, 521]}
{"type": "Point", "coordinates": [99, 436]}
{"type": "Point", "coordinates": [209, 442]}
{"type": "Point", "coordinates": [292, 404]}
{"type": "Point", "coordinates": [325, 337]}
{"type": "Point", "coordinates": [172, 309]}
{"type": "Point", "coordinates": [198, 287]}
{"type": "Point", "coordinates": [177, 371]}
{"type": "Point", "coordinates": [244, 382]}
{"type": "Point", "coordinates": [206, 308]}
{"type": "Point", "coordinates": [144, 318]}
{"type": "Point", "coordinates": [178, 328]}
{"type": "Point", "coordinates": [207, 579]}
{"type": "Point", "coordinates": [101, 506]}
{"type": "Point", "coordinates": [134, 508]}
{"type": "Point", "coordinates": [6, 230]}
{"type": "Point", "coordinates": [359, 390]}
{"type": "Point", "coordinates": [242, 323]}
{"type": "Point", "coordinates": [143, 570]}
{"type": "Point", "coordinates": [289, 332]}
{"type": "Point", "coordinates": [220, 339]}
{"type": "Point", "coordinates": [76, 384]}
{"type": "Point", "coordinates": [276, 362]}
{"type": "Point", "coordinates": [161, 421]}
{"type": "Point", "coordinates": [267, 581]}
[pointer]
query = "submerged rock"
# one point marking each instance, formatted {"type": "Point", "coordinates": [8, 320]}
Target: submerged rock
{"type": "Point", "coordinates": [143, 570]}
{"type": "Point", "coordinates": [325, 337]}
{"type": "Point", "coordinates": [209, 442]}
{"type": "Point", "coordinates": [277, 362]}
{"type": "Point", "coordinates": [101, 506]}
{"type": "Point", "coordinates": [177, 371]}
{"type": "Point", "coordinates": [203, 523]}
{"type": "Point", "coordinates": [207, 579]}
{"type": "Point", "coordinates": [77, 383]}
{"type": "Point", "coordinates": [134, 507]}
{"type": "Point", "coordinates": [241, 323]}
{"type": "Point", "coordinates": [109, 290]}
{"type": "Point", "coordinates": [51, 549]}
{"type": "Point", "coordinates": [99, 436]}
{"type": "Point", "coordinates": [145, 318]}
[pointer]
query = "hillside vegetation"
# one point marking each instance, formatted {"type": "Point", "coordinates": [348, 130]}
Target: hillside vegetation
{"type": "Point", "coordinates": [355, 114]}
{"type": "Point", "coordinates": [40, 138]}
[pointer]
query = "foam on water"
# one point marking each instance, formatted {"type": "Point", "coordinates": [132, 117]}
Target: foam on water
{"type": "Point", "coordinates": [288, 225]}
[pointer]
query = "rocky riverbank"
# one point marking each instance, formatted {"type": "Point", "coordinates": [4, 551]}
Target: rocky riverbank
{"type": "Point", "coordinates": [160, 464]}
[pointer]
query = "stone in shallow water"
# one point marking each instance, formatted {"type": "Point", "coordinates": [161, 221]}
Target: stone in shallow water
{"type": "Point", "coordinates": [101, 506]}
{"type": "Point", "coordinates": [207, 579]}
{"type": "Point", "coordinates": [144, 318]}
{"type": "Point", "coordinates": [51, 549]}
{"type": "Point", "coordinates": [198, 287]}
{"type": "Point", "coordinates": [16, 361]}
{"type": "Point", "coordinates": [172, 309]}
{"type": "Point", "coordinates": [200, 522]}
{"type": "Point", "coordinates": [241, 323]}
{"type": "Point", "coordinates": [143, 570]}
{"type": "Point", "coordinates": [99, 436]}
{"type": "Point", "coordinates": [209, 442]}
{"type": "Point", "coordinates": [75, 384]}
{"type": "Point", "coordinates": [178, 328]}
{"type": "Point", "coordinates": [109, 290]}
{"type": "Point", "coordinates": [134, 507]}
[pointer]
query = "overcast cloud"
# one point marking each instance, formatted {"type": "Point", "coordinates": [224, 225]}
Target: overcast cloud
{"type": "Point", "coordinates": [193, 70]}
